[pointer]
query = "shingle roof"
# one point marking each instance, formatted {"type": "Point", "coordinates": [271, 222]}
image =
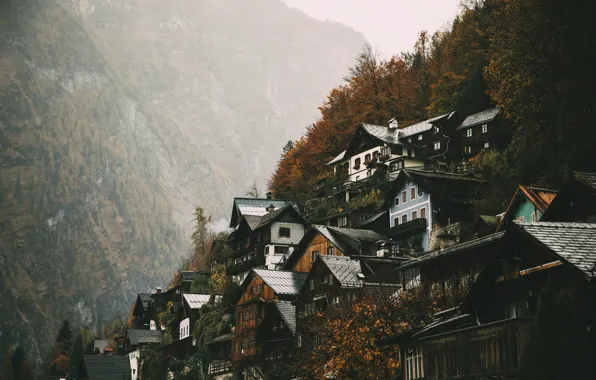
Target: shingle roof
{"type": "Point", "coordinates": [373, 218]}
{"type": "Point", "coordinates": [361, 235]}
{"type": "Point", "coordinates": [282, 282]}
{"type": "Point", "coordinates": [392, 136]}
{"type": "Point", "coordinates": [288, 313]}
{"type": "Point", "coordinates": [134, 335]}
{"type": "Point", "coordinates": [107, 367]}
{"type": "Point", "coordinates": [272, 216]}
{"type": "Point", "coordinates": [150, 339]}
{"type": "Point", "coordinates": [253, 206]}
{"type": "Point", "coordinates": [589, 179]}
{"type": "Point", "coordinates": [480, 117]}
{"type": "Point", "coordinates": [574, 242]}
{"type": "Point", "coordinates": [454, 249]}
{"type": "Point", "coordinates": [197, 300]}
{"type": "Point", "coordinates": [338, 158]}
{"type": "Point", "coordinates": [423, 126]}
{"type": "Point", "coordinates": [444, 186]}
{"type": "Point", "coordinates": [344, 269]}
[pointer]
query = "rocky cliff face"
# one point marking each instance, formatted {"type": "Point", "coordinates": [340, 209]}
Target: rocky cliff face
{"type": "Point", "coordinates": [116, 118]}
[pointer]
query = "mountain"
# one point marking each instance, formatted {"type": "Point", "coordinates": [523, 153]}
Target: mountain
{"type": "Point", "coordinates": [116, 118]}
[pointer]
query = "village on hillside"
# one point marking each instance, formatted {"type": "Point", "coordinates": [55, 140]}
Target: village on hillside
{"type": "Point", "coordinates": [392, 251]}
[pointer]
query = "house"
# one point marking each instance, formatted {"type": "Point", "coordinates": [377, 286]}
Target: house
{"type": "Point", "coordinates": [260, 287]}
{"type": "Point", "coordinates": [575, 201]}
{"type": "Point", "coordinates": [335, 281]}
{"type": "Point", "coordinates": [253, 207]}
{"type": "Point", "coordinates": [348, 218]}
{"type": "Point", "coordinates": [135, 338]}
{"type": "Point", "coordinates": [332, 241]}
{"type": "Point", "coordinates": [483, 130]}
{"type": "Point", "coordinates": [261, 241]}
{"type": "Point", "coordinates": [528, 204]}
{"type": "Point", "coordinates": [141, 311]}
{"type": "Point", "coordinates": [97, 367]}
{"type": "Point", "coordinates": [487, 333]}
{"type": "Point", "coordinates": [220, 351]}
{"type": "Point", "coordinates": [421, 200]}
{"type": "Point", "coordinates": [278, 333]}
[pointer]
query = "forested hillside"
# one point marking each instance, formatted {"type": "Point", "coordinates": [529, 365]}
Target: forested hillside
{"type": "Point", "coordinates": [116, 118]}
{"type": "Point", "coordinates": [534, 58]}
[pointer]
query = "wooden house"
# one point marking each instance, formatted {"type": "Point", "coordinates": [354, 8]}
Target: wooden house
{"type": "Point", "coordinates": [253, 207]}
{"type": "Point", "coordinates": [141, 311]}
{"type": "Point", "coordinates": [421, 200]}
{"type": "Point", "coordinates": [528, 204]}
{"type": "Point", "coordinates": [575, 201]}
{"type": "Point", "coordinates": [278, 332]}
{"type": "Point", "coordinates": [484, 130]}
{"type": "Point", "coordinates": [332, 241]}
{"type": "Point", "coordinates": [260, 287]}
{"type": "Point", "coordinates": [261, 241]}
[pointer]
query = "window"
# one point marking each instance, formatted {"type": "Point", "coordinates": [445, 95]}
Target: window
{"type": "Point", "coordinates": [436, 130]}
{"type": "Point", "coordinates": [312, 284]}
{"type": "Point", "coordinates": [404, 197]}
{"type": "Point", "coordinates": [412, 193]}
{"type": "Point", "coordinates": [420, 192]}
{"type": "Point", "coordinates": [330, 279]}
{"type": "Point", "coordinates": [330, 251]}
{"type": "Point", "coordinates": [323, 278]}
{"type": "Point", "coordinates": [535, 216]}
{"type": "Point", "coordinates": [385, 151]}
{"type": "Point", "coordinates": [468, 149]}
{"type": "Point", "coordinates": [279, 250]}
{"type": "Point", "coordinates": [357, 163]}
{"type": "Point", "coordinates": [397, 201]}
{"type": "Point", "coordinates": [315, 254]}
{"type": "Point", "coordinates": [423, 213]}
{"type": "Point", "coordinates": [414, 365]}
{"type": "Point", "coordinates": [419, 137]}
{"type": "Point", "coordinates": [342, 221]}
{"type": "Point", "coordinates": [414, 215]}
{"type": "Point", "coordinates": [409, 139]}
{"type": "Point", "coordinates": [395, 166]}
{"type": "Point", "coordinates": [284, 232]}
{"type": "Point", "coordinates": [367, 158]}
{"type": "Point", "coordinates": [404, 218]}
{"type": "Point", "coordinates": [486, 145]}
{"type": "Point", "coordinates": [469, 132]}
{"type": "Point", "coordinates": [336, 300]}
{"type": "Point", "coordinates": [396, 221]}
{"type": "Point", "coordinates": [437, 145]}
{"type": "Point", "coordinates": [484, 128]}
{"type": "Point", "coordinates": [375, 155]}
{"type": "Point", "coordinates": [410, 153]}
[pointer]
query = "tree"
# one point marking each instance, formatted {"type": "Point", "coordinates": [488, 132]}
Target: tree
{"type": "Point", "coordinates": [288, 147]}
{"type": "Point", "coordinates": [253, 191]}
{"type": "Point", "coordinates": [200, 239]}
{"type": "Point", "coordinates": [17, 365]}
{"type": "Point", "coordinates": [76, 354]}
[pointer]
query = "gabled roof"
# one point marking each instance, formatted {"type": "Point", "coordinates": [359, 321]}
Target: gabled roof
{"type": "Point", "coordinates": [110, 367]}
{"type": "Point", "coordinates": [393, 136]}
{"type": "Point", "coordinates": [454, 250]}
{"type": "Point", "coordinates": [541, 198]}
{"type": "Point", "coordinates": [423, 126]}
{"type": "Point", "coordinates": [373, 218]}
{"type": "Point", "coordinates": [134, 335]}
{"type": "Point", "coordinates": [145, 299]}
{"type": "Point", "coordinates": [287, 311]}
{"type": "Point", "coordinates": [490, 220]}
{"type": "Point", "coordinates": [282, 282]}
{"type": "Point", "coordinates": [588, 179]}
{"type": "Point", "coordinates": [480, 117]}
{"type": "Point", "coordinates": [337, 158]}
{"type": "Point", "coordinates": [344, 269]}
{"type": "Point", "coordinates": [253, 206]}
{"type": "Point", "coordinates": [197, 300]}
{"type": "Point", "coordinates": [254, 222]}
{"type": "Point", "coordinates": [573, 242]}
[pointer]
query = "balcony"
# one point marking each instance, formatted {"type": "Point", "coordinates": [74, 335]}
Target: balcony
{"type": "Point", "coordinates": [488, 351]}
{"type": "Point", "coordinates": [220, 366]}
{"type": "Point", "coordinates": [255, 261]}
{"type": "Point", "coordinates": [410, 228]}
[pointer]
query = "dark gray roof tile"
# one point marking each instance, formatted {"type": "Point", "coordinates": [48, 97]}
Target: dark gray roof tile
{"type": "Point", "coordinates": [282, 282]}
{"type": "Point", "coordinates": [107, 367]}
{"type": "Point", "coordinates": [480, 117]}
{"type": "Point", "coordinates": [134, 335]}
{"type": "Point", "coordinates": [344, 269]}
{"type": "Point", "coordinates": [288, 313]}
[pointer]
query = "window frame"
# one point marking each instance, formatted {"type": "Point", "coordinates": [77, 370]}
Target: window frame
{"type": "Point", "coordinates": [396, 221]}
{"type": "Point", "coordinates": [486, 145]}
{"type": "Point", "coordinates": [289, 235]}
{"type": "Point", "coordinates": [330, 251]}
{"type": "Point", "coordinates": [314, 254]}
{"type": "Point", "coordinates": [404, 197]}
{"type": "Point", "coordinates": [484, 128]}
{"type": "Point", "coordinates": [437, 145]}
{"type": "Point", "coordinates": [469, 132]}
{"type": "Point", "coordinates": [397, 201]}
{"type": "Point", "coordinates": [413, 193]}
{"type": "Point", "coordinates": [423, 213]}
{"type": "Point", "coordinates": [404, 219]}
{"type": "Point", "coordinates": [414, 214]}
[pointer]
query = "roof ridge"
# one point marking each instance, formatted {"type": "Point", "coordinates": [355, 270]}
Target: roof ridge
{"type": "Point", "coordinates": [558, 224]}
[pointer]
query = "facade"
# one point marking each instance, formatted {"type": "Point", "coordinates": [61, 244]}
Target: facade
{"type": "Point", "coordinates": [527, 205]}
{"type": "Point", "coordinates": [484, 130]}
{"type": "Point", "coordinates": [576, 201]}
{"type": "Point", "coordinates": [422, 200]}
{"type": "Point", "coordinates": [262, 241]}
{"type": "Point", "coordinates": [278, 333]}
{"type": "Point", "coordinates": [331, 241]}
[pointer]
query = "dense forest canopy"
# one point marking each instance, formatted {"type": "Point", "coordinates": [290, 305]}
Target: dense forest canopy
{"type": "Point", "coordinates": [533, 58]}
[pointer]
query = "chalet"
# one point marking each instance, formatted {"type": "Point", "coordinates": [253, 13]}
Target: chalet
{"type": "Point", "coordinates": [332, 241]}
{"type": "Point", "coordinates": [254, 207]}
{"type": "Point", "coordinates": [97, 367]}
{"type": "Point", "coordinates": [261, 241]}
{"type": "Point", "coordinates": [528, 204]}
{"type": "Point", "coordinates": [334, 281]}
{"type": "Point", "coordinates": [278, 332]}
{"type": "Point", "coordinates": [486, 335]}
{"type": "Point", "coordinates": [421, 200]}
{"type": "Point", "coordinates": [483, 130]}
{"type": "Point", "coordinates": [141, 311]}
{"type": "Point", "coordinates": [260, 287]}
{"type": "Point", "coordinates": [575, 201]}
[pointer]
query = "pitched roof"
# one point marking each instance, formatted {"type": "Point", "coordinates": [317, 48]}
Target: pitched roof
{"type": "Point", "coordinates": [282, 282]}
{"type": "Point", "coordinates": [107, 367]}
{"type": "Point", "coordinates": [541, 198]}
{"type": "Point", "coordinates": [423, 126]}
{"type": "Point", "coordinates": [392, 136]}
{"type": "Point", "coordinates": [252, 220]}
{"type": "Point", "coordinates": [150, 339]}
{"type": "Point", "coordinates": [480, 117]}
{"type": "Point", "coordinates": [373, 218]}
{"type": "Point", "coordinates": [145, 299]}
{"type": "Point", "coordinates": [337, 158]}
{"type": "Point", "coordinates": [272, 216]}
{"type": "Point", "coordinates": [574, 242]}
{"type": "Point", "coordinates": [253, 206]}
{"type": "Point", "coordinates": [454, 249]}
{"type": "Point", "coordinates": [288, 313]}
{"type": "Point", "coordinates": [588, 179]}
{"type": "Point", "coordinates": [344, 269]}
{"type": "Point", "coordinates": [135, 334]}
{"type": "Point", "coordinates": [492, 221]}
{"type": "Point", "coordinates": [221, 338]}
{"type": "Point", "coordinates": [197, 300]}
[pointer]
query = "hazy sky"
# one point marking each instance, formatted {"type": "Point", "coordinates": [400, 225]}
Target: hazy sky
{"type": "Point", "coordinates": [391, 26]}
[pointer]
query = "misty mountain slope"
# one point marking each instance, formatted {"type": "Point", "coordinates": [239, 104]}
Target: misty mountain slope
{"type": "Point", "coordinates": [116, 118]}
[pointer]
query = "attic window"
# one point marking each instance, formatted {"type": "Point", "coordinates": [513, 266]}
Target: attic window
{"type": "Point", "coordinates": [284, 232]}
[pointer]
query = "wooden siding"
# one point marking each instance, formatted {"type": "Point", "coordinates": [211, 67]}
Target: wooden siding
{"type": "Point", "coordinates": [318, 243]}
{"type": "Point", "coordinates": [266, 293]}
{"type": "Point", "coordinates": [296, 233]}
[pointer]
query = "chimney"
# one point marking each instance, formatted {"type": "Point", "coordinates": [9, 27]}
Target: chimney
{"type": "Point", "coordinates": [158, 290]}
{"type": "Point", "coordinates": [393, 124]}
{"type": "Point", "coordinates": [269, 195]}
{"type": "Point", "coordinates": [270, 208]}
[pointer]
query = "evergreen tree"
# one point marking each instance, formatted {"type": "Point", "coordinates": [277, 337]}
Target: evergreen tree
{"type": "Point", "coordinates": [77, 353]}
{"type": "Point", "coordinates": [558, 346]}
{"type": "Point", "coordinates": [287, 148]}
{"type": "Point", "coordinates": [63, 342]}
